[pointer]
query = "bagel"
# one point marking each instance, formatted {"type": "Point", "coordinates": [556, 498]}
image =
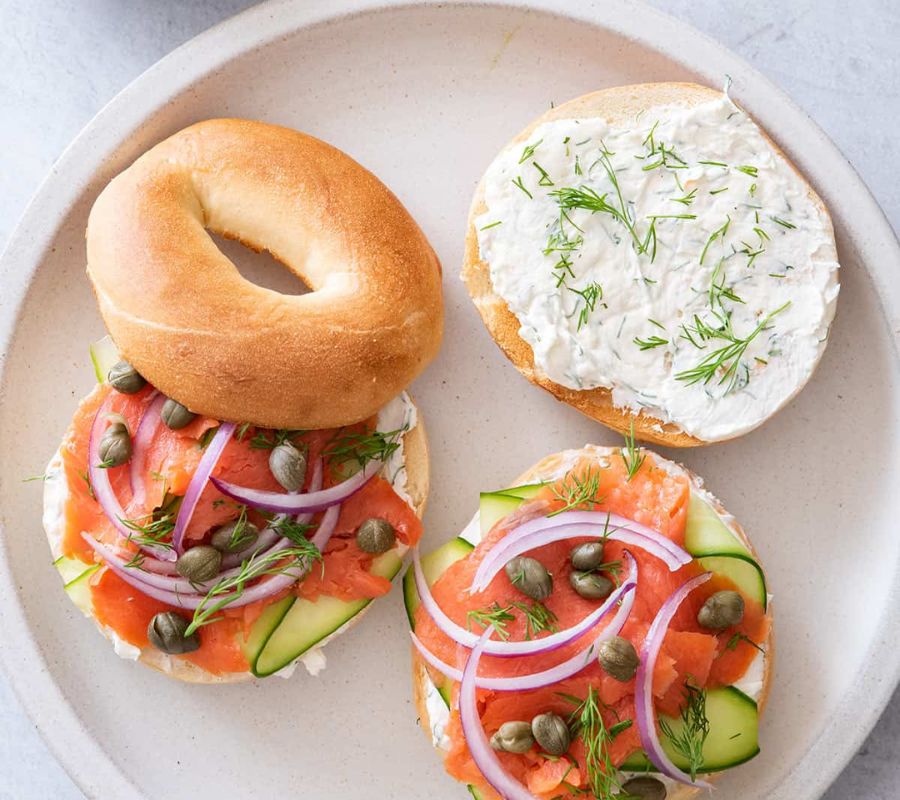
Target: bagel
{"type": "Point", "coordinates": [184, 317]}
{"type": "Point", "coordinates": [58, 494]}
{"type": "Point", "coordinates": [588, 369]}
{"type": "Point", "coordinates": [549, 469]}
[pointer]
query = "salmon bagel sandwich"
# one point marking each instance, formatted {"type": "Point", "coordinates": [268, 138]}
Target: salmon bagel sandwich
{"type": "Point", "coordinates": [602, 628]}
{"type": "Point", "coordinates": [249, 471]}
{"type": "Point", "coordinates": [648, 255]}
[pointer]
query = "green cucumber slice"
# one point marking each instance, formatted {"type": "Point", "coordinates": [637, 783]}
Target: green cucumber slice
{"type": "Point", "coordinates": [495, 506]}
{"type": "Point", "coordinates": [733, 734]}
{"type": "Point", "coordinates": [306, 623]}
{"type": "Point", "coordinates": [743, 571]}
{"type": "Point", "coordinates": [433, 565]}
{"type": "Point", "coordinates": [75, 576]}
{"type": "Point", "coordinates": [705, 533]}
{"type": "Point", "coordinates": [264, 627]}
{"type": "Point", "coordinates": [104, 356]}
{"type": "Point", "coordinates": [524, 492]}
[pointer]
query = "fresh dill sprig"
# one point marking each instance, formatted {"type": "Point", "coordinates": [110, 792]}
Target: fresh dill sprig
{"type": "Point", "coordinates": [491, 225]}
{"type": "Point", "coordinates": [269, 440]}
{"type": "Point", "coordinates": [718, 290]}
{"type": "Point", "coordinates": [737, 638]}
{"type": "Point", "coordinates": [784, 223]}
{"type": "Point", "coordinates": [545, 179]}
{"type": "Point", "coordinates": [650, 343]}
{"type": "Point", "coordinates": [496, 617]}
{"type": "Point", "coordinates": [152, 531]}
{"type": "Point", "coordinates": [717, 233]}
{"type": "Point", "coordinates": [687, 199]}
{"type": "Point", "coordinates": [521, 184]}
{"type": "Point", "coordinates": [589, 296]}
{"type": "Point", "coordinates": [649, 243]}
{"type": "Point", "coordinates": [364, 447]}
{"type": "Point", "coordinates": [528, 152]}
{"type": "Point", "coordinates": [587, 722]}
{"type": "Point", "coordinates": [713, 163]}
{"type": "Point", "coordinates": [588, 199]}
{"type": "Point", "coordinates": [241, 431]}
{"type": "Point", "coordinates": [748, 169]}
{"type": "Point", "coordinates": [576, 492]}
{"type": "Point", "coordinates": [538, 618]}
{"type": "Point", "coordinates": [690, 739]}
{"type": "Point", "coordinates": [727, 358]}
{"type": "Point", "coordinates": [632, 454]}
{"type": "Point", "coordinates": [289, 528]}
{"type": "Point", "coordinates": [229, 589]}
{"type": "Point", "coordinates": [240, 537]}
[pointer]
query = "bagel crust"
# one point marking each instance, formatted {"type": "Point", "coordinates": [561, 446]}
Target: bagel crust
{"type": "Point", "coordinates": [618, 106]}
{"type": "Point", "coordinates": [551, 468]}
{"type": "Point", "coordinates": [182, 314]}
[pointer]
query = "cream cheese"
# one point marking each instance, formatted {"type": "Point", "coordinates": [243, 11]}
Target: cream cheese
{"type": "Point", "coordinates": [630, 253]}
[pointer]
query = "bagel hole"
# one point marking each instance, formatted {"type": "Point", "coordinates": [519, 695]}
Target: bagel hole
{"type": "Point", "coordinates": [262, 268]}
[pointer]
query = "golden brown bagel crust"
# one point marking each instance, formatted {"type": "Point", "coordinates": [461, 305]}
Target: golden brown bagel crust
{"type": "Point", "coordinates": [616, 105]}
{"type": "Point", "coordinates": [542, 471]}
{"type": "Point", "coordinates": [182, 314]}
{"type": "Point", "coordinates": [415, 450]}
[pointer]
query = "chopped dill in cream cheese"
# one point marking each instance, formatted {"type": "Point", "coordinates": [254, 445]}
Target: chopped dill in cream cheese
{"type": "Point", "coordinates": [678, 261]}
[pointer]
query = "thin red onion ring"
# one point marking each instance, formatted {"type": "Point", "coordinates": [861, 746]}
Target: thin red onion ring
{"type": "Point", "coordinates": [516, 542]}
{"type": "Point", "coordinates": [193, 599]}
{"type": "Point", "coordinates": [143, 436]}
{"type": "Point", "coordinates": [510, 649]}
{"type": "Point", "coordinates": [482, 753]}
{"type": "Point", "coordinates": [268, 536]}
{"type": "Point", "coordinates": [102, 488]}
{"type": "Point", "coordinates": [281, 503]}
{"type": "Point", "coordinates": [198, 483]}
{"type": "Point", "coordinates": [547, 677]}
{"type": "Point", "coordinates": [643, 698]}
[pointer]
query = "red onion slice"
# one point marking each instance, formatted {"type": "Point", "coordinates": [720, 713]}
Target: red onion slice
{"type": "Point", "coordinates": [167, 590]}
{"type": "Point", "coordinates": [102, 488]}
{"type": "Point", "coordinates": [509, 649]}
{"type": "Point", "coordinates": [198, 482]}
{"type": "Point", "coordinates": [268, 536]}
{"type": "Point", "coordinates": [537, 533]}
{"type": "Point", "coordinates": [547, 677]}
{"type": "Point", "coordinates": [643, 699]}
{"type": "Point", "coordinates": [143, 436]}
{"type": "Point", "coordinates": [280, 503]}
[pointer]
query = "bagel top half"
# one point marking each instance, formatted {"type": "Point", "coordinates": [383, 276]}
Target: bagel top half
{"type": "Point", "coordinates": [181, 313]}
{"type": "Point", "coordinates": [810, 282]}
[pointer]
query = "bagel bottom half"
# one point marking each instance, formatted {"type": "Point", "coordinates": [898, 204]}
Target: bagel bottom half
{"type": "Point", "coordinates": [415, 452]}
{"type": "Point", "coordinates": [554, 467]}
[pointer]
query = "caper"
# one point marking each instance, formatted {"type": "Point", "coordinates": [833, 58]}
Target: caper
{"type": "Point", "coordinates": [175, 415]}
{"type": "Point", "coordinates": [591, 585]}
{"type": "Point", "coordinates": [235, 537]}
{"type": "Point", "coordinates": [166, 633]}
{"type": "Point", "coordinates": [199, 564]}
{"type": "Point", "coordinates": [530, 577]}
{"type": "Point", "coordinates": [644, 787]}
{"type": "Point", "coordinates": [587, 557]}
{"type": "Point", "coordinates": [375, 535]}
{"type": "Point", "coordinates": [125, 379]}
{"type": "Point", "coordinates": [618, 658]}
{"type": "Point", "coordinates": [722, 610]}
{"type": "Point", "coordinates": [551, 733]}
{"type": "Point", "coordinates": [513, 737]}
{"type": "Point", "coordinates": [115, 445]}
{"type": "Point", "coordinates": [288, 465]}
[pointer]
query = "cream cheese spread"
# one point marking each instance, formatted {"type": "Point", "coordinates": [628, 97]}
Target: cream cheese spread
{"type": "Point", "coordinates": [678, 261]}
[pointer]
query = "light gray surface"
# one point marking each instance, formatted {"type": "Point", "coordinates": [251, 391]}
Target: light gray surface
{"type": "Point", "coordinates": [62, 64]}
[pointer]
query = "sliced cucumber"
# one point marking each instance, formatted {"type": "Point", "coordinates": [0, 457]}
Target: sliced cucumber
{"type": "Point", "coordinates": [264, 627]}
{"type": "Point", "coordinates": [705, 533]}
{"type": "Point", "coordinates": [433, 565]}
{"type": "Point", "coordinates": [304, 624]}
{"type": "Point", "coordinates": [495, 506]}
{"type": "Point", "coordinates": [743, 571]}
{"type": "Point", "coordinates": [733, 734]}
{"type": "Point", "coordinates": [524, 492]}
{"type": "Point", "coordinates": [75, 576]}
{"type": "Point", "coordinates": [104, 356]}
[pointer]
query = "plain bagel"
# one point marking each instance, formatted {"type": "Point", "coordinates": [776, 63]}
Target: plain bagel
{"type": "Point", "coordinates": [183, 315]}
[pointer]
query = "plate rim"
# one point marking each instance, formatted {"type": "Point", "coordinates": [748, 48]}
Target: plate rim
{"type": "Point", "coordinates": [93, 769]}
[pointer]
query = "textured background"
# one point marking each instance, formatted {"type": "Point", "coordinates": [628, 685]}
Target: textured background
{"type": "Point", "coordinates": [64, 59]}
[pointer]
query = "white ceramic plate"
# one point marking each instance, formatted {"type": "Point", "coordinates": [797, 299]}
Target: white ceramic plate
{"type": "Point", "coordinates": [424, 95]}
